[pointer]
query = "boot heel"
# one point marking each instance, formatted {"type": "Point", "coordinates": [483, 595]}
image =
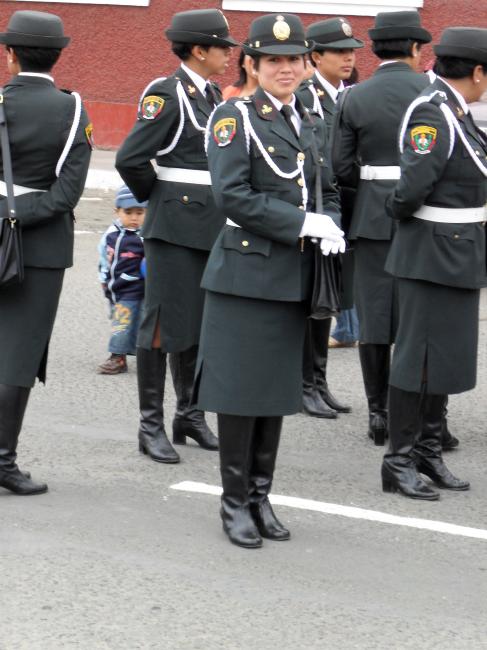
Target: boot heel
{"type": "Point", "coordinates": [388, 485]}
{"type": "Point", "coordinates": [142, 449]}
{"type": "Point", "coordinates": [380, 437]}
{"type": "Point", "coordinates": [179, 438]}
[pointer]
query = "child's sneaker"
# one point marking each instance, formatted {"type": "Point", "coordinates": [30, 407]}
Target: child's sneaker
{"type": "Point", "coordinates": [114, 365]}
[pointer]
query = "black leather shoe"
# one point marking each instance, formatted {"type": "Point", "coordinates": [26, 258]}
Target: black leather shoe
{"type": "Point", "coordinates": [193, 425]}
{"type": "Point", "coordinates": [406, 480]}
{"type": "Point", "coordinates": [18, 483]}
{"type": "Point", "coordinates": [438, 472]}
{"type": "Point", "coordinates": [240, 527]}
{"type": "Point", "coordinates": [267, 523]}
{"type": "Point", "coordinates": [314, 406]}
{"type": "Point", "coordinates": [332, 401]}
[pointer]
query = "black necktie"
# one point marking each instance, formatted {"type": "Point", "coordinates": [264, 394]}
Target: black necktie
{"type": "Point", "coordinates": [287, 113]}
{"type": "Point", "coordinates": [210, 95]}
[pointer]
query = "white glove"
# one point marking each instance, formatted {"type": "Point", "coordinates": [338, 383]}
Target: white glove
{"type": "Point", "coordinates": [321, 226]}
{"type": "Point", "coordinates": [327, 246]}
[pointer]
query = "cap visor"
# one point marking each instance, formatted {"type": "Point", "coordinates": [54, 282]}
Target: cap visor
{"type": "Point", "coordinates": [345, 44]}
{"type": "Point", "coordinates": [280, 48]}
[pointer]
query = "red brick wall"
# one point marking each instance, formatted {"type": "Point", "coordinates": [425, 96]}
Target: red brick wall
{"type": "Point", "coordinates": [115, 51]}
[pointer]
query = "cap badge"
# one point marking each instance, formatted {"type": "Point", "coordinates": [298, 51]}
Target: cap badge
{"type": "Point", "coordinates": [281, 29]}
{"type": "Point", "coordinates": [347, 30]}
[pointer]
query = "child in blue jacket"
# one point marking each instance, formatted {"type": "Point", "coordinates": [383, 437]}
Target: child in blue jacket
{"type": "Point", "coordinates": [121, 254]}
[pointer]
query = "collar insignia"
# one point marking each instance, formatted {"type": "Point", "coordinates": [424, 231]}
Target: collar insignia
{"type": "Point", "coordinates": [460, 113]}
{"type": "Point", "coordinates": [320, 92]}
{"type": "Point", "coordinates": [266, 109]}
{"type": "Point", "coordinates": [191, 90]}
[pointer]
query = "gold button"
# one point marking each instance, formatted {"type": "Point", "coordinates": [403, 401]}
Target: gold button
{"type": "Point", "coordinates": [301, 156]}
{"type": "Point", "coordinates": [455, 236]}
{"type": "Point", "coordinates": [245, 243]}
{"type": "Point", "coordinates": [300, 182]}
{"type": "Point", "coordinates": [320, 159]}
{"type": "Point", "coordinates": [301, 207]}
{"type": "Point", "coordinates": [478, 152]}
{"type": "Point", "coordinates": [270, 149]}
{"type": "Point", "coordinates": [185, 199]}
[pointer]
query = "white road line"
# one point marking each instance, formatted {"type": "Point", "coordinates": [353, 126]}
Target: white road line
{"type": "Point", "coordinates": [91, 198]}
{"type": "Point", "coordinates": [347, 511]}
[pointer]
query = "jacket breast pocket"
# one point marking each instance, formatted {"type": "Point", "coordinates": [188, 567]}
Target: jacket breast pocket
{"type": "Point", "coordinates": [245, 243]}
{"type": "Point", "coordinates": [186, 194]}
{"type": "Point", "coordinates": [454, 232]}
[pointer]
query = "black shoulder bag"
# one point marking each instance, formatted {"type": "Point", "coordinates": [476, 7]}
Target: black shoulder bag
{"type": "Point", "coordinates": [11, 258]}
{"type": "Point", "coordinates": [325, 297]}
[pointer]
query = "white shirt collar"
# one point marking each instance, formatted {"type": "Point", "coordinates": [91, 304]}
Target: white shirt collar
{"type": "Point", "coordinates": [197, 79]}
{"type": "Point", "coordinates": [36, 74]}
{"type": "Point", "coordinates": [330, 88]}
{"type": "Point", "coordinates": [458, 96]}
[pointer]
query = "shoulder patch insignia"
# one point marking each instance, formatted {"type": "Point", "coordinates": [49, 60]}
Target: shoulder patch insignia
{"type": "Point", "coordinates": [89, 135]}
{"type": "Point", "coordinates": [423, 139]}
{"type": "Point", "coordinates": [151, 107]}
{"type": "Point", "coordinates": [224, 131]}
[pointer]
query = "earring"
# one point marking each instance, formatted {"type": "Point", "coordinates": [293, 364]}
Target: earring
{"type": "Point", "coordinates": [10, 60]}
{"type": "Point", "coordinates": [477, 81]}
{"type": "Point", "coordinates": [202, 58]}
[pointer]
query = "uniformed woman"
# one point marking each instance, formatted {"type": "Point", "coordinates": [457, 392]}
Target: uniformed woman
{"type": "Point", "coordinates": [439, 257]}
{"type": "Point", "coordinates": [50, 146]}
{"type": "Point", "coordinates": [181, 225]}
{"type": "Point", "coordinates": [263, 152]}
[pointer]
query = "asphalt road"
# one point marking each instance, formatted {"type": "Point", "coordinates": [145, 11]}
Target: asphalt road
{"type": "Point", "coordinates": [114, 558]}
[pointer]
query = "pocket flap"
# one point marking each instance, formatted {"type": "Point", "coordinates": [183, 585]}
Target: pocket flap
{"type": "Point", "coordinates": [455, 231]}
{"type": "Point", "coordinates": [245, 242]}
{"type": "Point", "coordinates": [186, 193]}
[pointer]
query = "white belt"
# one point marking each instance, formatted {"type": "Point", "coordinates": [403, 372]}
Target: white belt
{"type": "Point", "coordinates": [18, 189]}
{"type": "Point", "coordinates": [232, 223]}
{"type": "Point", "coordinates": [380, 173]}
{"type": "Point", "coordinates": [180, 175]}
{"type": "Point", "coordinates": [452, 215]}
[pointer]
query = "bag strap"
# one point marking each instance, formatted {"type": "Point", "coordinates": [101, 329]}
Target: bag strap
{"type": "Point", "coordinates": [6, 159]}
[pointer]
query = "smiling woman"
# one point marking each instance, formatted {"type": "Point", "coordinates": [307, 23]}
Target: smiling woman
{"type": "Point", "coordinates": [264, 154]}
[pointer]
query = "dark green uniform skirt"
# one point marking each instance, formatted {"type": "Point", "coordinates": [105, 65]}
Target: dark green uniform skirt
{"type": "Point", "coordinates": [250, 357]}
{"type": "Point", "coordinates": [27, 313]}
{"type": "Point", "coordinates": [172, 294]}
{"type": "Point", "coordinates": [438, 325]}
{"type": "Point", "coordinates": [375, 292]}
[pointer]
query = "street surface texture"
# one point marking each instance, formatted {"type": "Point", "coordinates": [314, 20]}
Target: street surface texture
{"type": "Point", "coordinates": [113, 558]}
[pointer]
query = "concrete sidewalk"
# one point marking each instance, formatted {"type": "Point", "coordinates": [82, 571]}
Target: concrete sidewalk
{"type": "Point", "coordinates": [102, 174]}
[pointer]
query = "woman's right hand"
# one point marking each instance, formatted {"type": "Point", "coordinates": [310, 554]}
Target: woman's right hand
{"type": "Point", "coordinates": [321, 226]}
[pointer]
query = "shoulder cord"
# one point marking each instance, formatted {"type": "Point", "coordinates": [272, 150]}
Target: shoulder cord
{"type": "Point", "coordinates": [251, 134]}
{"type": "Point", "coordinates": [316, 103]}
{"type": "Point", "coordinates": [183, 101]}
{"type": "Point", "coordinates": [453, 126]}
{"type": "Point", "coordinates": [72, 133]}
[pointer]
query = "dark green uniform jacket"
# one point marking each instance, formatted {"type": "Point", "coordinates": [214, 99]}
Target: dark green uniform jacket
{"type": "Point", "coordinates": [445, 253]}
{"type": "Point", "coordinates": [262, 259]}
{"type": "Point", "coordinates": [178, 213]}
{"type": "Point", "coordinates": [316, 98]}
{"type": "Point", "coordinates": [367, 135]}
{"type": "Point", "coordinates": [39, 119]}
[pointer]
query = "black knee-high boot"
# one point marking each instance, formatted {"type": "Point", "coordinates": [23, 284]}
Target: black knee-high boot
{"type": "Point", "coordinates": [399, 472]}
{"type": "Point", "coordinates": [427, 451]}
{"type": "Point", "coordinates": [375, 362]}
{"type": "Point", "coordinates": [188, 420]}
{"type": "Point", "coordinates": [314, 356]}
{"type": "Point", "coordinates": [13, 402]}
{"type": "Point", "coordinates": [151, 377]}
{"type": "Point", "coordinates": [235, 435]}
{"type": "Point", "coordinates": [321, 335]}
{"type": "Point", "coordinates": [448, 440]}
{"type": "Point", "coordinates": [264, 453]}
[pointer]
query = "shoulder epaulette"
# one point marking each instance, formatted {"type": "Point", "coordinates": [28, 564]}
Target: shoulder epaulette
{"type": "Point", "coordinates": [437, 98]}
